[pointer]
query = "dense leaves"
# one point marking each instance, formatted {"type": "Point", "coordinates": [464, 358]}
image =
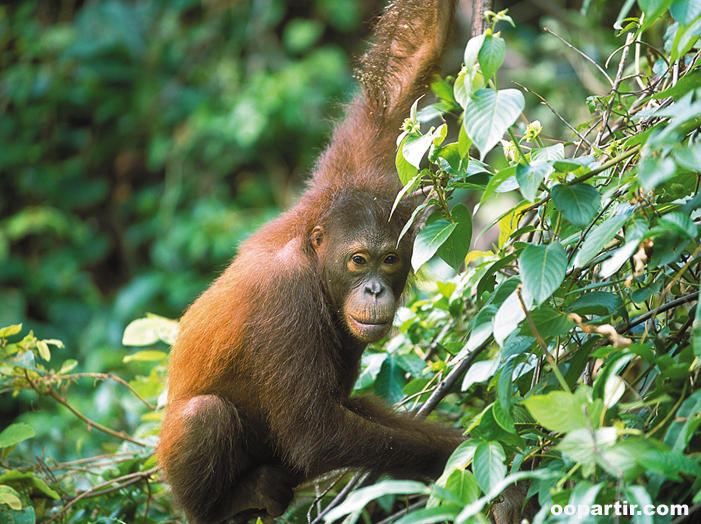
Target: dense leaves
{"type": "Point", "coordinates": [576, 325]}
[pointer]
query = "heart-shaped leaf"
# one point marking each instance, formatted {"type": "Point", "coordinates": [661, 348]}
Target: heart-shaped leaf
{"type": "Point", "coordinates": [489, 113]}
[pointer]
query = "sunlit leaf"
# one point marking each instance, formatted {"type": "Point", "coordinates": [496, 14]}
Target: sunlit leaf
{"type": "Point", "coordinates": [488, 465]}
{"type": "Point", "coordinates": [491, 54]}
{"type": "Point", "coordinates": [16, 433]}
{"type": "Point", "coordinates": [597, 239]}
{"type": "Point", "coordinates": [489, 113]}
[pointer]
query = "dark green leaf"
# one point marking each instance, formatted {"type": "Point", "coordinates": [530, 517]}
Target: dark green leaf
{"type": "Point", "coordinates": [390, 380]}
{"type": "Point", "coordinates": [578, 203]}
{"type": "Point", "coordinates": [600, 303]}
{"type": "Point", "coordinates": [455, 248]}
{"type": "Point", "coordinates": [429, 239]}
{"type": "Point", "coordinates": [542, 270]}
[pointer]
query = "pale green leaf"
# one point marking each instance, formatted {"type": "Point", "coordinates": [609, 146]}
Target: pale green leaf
{"type": "Point", "coordinates": [488, 465]}
{"type": "Point", "coordinates": [360, 498]}
{"type": "Point", "coordinates": [145, 356]}
{"type": "Point", "coordinates": [598, 238]}
{"type": "Point", "coordinates": [685, 11]}
{"type": "Point", "coordinates": [10, 330]}
{"type": "Point", "coordinates": [10, 497]}
{"type": "Point", "coordinates": [489, 113]}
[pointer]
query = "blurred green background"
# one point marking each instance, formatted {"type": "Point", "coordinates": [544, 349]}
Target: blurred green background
{"type": "Point", "coordinates": [141, 141]}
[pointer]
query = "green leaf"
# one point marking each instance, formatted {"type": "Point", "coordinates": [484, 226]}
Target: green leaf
{"type": "Point", "coordinates": [414, 148]}
{"type": "Point", "coordinates": [472, 50]}
{"type": "Point", "coordinates": [562, 411]}
{"type": "Point", "coordinates": [405, 170]}
{"type": "Point", "coordinates": [10, 330]}
{"type": "Point", "coordinates": [68, 366]}
{"type": "Point", "coordinates": [10, 497]}
{"type": "Point", "coordinates": [496, 181]}
{"type": "Point", "coordinates": [680, 224]}
{"type": "Point", "coordinates": [509, 316]}
{"type": "Point", "coordinates": [429, 239]}
{"type": "Point", "coordinates": [552, 154]}
{"type": "Point", "coordinates": [463, 485]}
{"type": "Point", "coordinates": [529, 178]}
{"type": "Point", "coordinates": [149, 330]}
{"type": "Point", "coordinates": [579, 203]}
{"type": "Point", "coordinates": [669, 463]}
{"type": "Point", "coordinates": [489, 113]}
{"type": "Point", "coordinates": [548, 322]}
{"type": "Point", "coordinates": [491, 54]}
{"type": "Point", "coordinates": [390, 380]}
{"type": "Point", "coordinates": [600, 303]}
{"type": "Point", "coordinates": [360, 498]}
{"type": "Point", "coordinates": [690, 157]}
{"type": "Point", "coordinates": [442, 513]}
{"type": "Point", "coordinates": [455, 248]}
{"type": "Point", "coordinates": [16, 433]}
{"type": "Point", "coordinates": [542, 270]}
{"type": "Point", "coordinates": [687, 419]}
{"type": "Point", "coordinates": [639, 496]}
{"type": "Point", "coordinates": [635, 232]}
{"type": "Point", "coordinates": [685, 11]}
{"type": "Point", "coordinates": [654, 171]}
{"type": "Point", "coordinates": [482, 327]}
{"type": "Point", "coordinates": [488, 465]}
{"type": "Point", "coordinates": [145, 356]}
{"type": "Point", "coordinates": [43, 348]}
{"type": "Point", "coordinates": [597, 239]}
{"type": "Point", "coordinates": [479, 372]}
{"type": "Point", "coordinates": [585, 447]}
{"type": "Point", "coordinates": [653, 9]}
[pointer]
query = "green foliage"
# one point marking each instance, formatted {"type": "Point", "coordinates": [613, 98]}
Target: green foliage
{"type": "Point", "coordinates": [581, 321]}
{"type": "Point", "coordinates": [578, 332]}
{"type": "Point", "coordinates": [122, 480]}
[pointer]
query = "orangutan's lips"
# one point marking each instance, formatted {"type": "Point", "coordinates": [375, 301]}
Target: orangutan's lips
{"type": "Point", "coordinates": [369, 329]}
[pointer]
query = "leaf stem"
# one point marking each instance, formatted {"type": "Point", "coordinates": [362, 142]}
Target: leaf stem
{"type": "Point", "coordinates": [543, 345]}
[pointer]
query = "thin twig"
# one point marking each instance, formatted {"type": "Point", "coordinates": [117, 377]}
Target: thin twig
{"type": "Point", "coordinates": [91, 424]}
{"type": "Point", "coordinates": [614, 88]}
{"type": "Point", "coordinates": [357, 479]}
{"type": "Point", "coordinates": [601, 69]}
{"type": "Point", "coordinates": [543, 345]}
{"type": "Point", "coordinates": [555, 113]}
{"type": "Point", "coordinates": [665, 307]}
{"type": "Point", "coordinates": [96, 376]}
{"type": "Point", "coordinates": [96, 491]}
